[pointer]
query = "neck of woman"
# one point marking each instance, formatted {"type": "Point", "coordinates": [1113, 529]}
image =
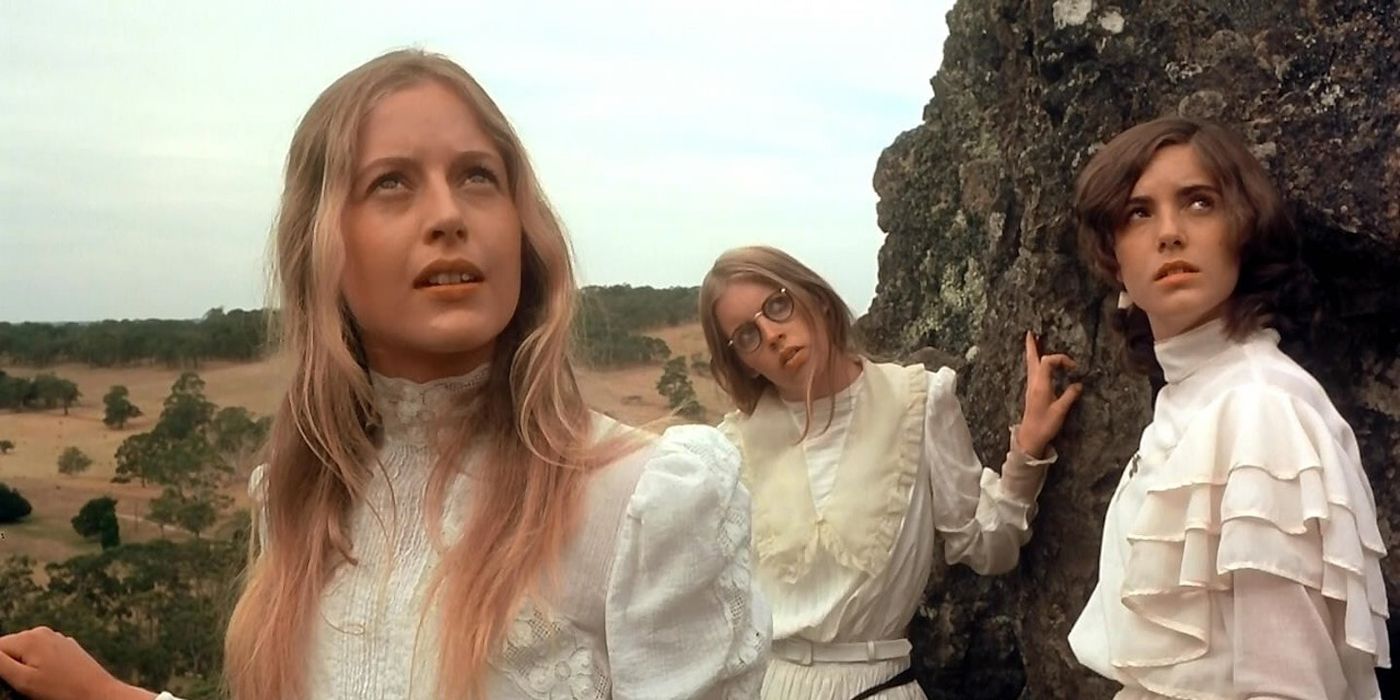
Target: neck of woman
{"type": "Point", "coordinates": [829, 379]}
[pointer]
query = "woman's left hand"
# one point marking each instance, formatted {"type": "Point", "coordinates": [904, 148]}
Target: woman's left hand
{"type": "Point", "coordinates": [1045, 413]}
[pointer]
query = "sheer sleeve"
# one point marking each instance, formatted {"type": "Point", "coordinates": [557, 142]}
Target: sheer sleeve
{"type": "Point", "coordinates": [1282, 641]}
{"type": "Point", "coordinates": [981, 525]}
{"type": "Point", "coordinates": [684, 616]}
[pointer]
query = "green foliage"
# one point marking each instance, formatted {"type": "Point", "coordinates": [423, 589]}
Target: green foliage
{"type": "Point", "coordinates": [151, 613]}
{"type": "Point", "coordinates": [14, 391]}
{"type": "Point", "coordinates": [98, 520]}
{"type": "Point", "coordinates": [186, 410]}
{"type": "Point", "coordinates": [119, 408]}
{"type": "Point", "coordinates": [13, 506]}
{"type": "Point", "coordinates": [6, 446]}
{"type": "Point", "coordinates": [73, 461]}
{"type": "Point", "coordinates": [610, 318]}
{"type": "Point", "coordinates": [190, 453]}
{"type": "Point", "coordinates": [700, 363]}
{"type": "Point", "coordinates": [639, 308]}
{"type": "Point", "coordinates": [192, 510]}
{"type": "Point", "coordinates": [675, 386]}
{"type": "Point", "coordinates": [43, 391]}
{"type": "Point", "coordinates": [238, 432]}
{"type": "Point", "coordinates": [226, 335]}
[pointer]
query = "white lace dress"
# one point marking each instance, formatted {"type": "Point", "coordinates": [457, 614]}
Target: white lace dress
{"type": "Point", "coordinates": [656, 600]}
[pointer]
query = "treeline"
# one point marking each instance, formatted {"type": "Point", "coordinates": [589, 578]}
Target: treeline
{"type": "Point", "coordinates": [608, 330]}
{"type": "Point", "coordinates": [610, 320]}
{"type": "Point", "coordinates": [640, 308]}
{"type": "Point", "coordinates": [220, 335]}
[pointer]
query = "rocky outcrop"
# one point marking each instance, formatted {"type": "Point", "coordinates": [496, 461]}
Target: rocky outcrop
{"type": "Point", "coordinates": [980, 248]}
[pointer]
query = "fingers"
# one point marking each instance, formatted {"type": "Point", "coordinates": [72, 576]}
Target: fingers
{"type": "Point", "coordinates": [1032, 354]}
{"type": "Point", "coordinates": [1065, 362]}
{"type": "Point", "coordinates": [1067, 399]}
{"type": "Point", "coordinates": [15, 646]}
{"type": "Point", "coordinates": [19, 646]}
{"type": "Point", "coordinates": [11, 670]}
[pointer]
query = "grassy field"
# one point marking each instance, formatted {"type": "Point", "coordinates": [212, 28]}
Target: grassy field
{"type": "Point", "coordinates": [626, 394]}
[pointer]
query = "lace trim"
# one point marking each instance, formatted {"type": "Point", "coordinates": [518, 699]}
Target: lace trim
{"type": "Point", "coordinates": [734, 589]}
{"type": "Point", "coordinates": [549, 658]}
{"type": "Point", "coordinates": [409, 410]}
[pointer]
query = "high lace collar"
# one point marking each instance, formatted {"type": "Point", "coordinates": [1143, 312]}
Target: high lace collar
{"type": "Point", "coordinates": [409, 410]}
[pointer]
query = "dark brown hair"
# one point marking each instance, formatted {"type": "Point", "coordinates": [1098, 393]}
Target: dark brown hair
{"type": "Point", "coordinates": [1273, 282]}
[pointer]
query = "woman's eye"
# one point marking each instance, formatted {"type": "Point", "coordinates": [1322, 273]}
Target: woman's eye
{"type": "Point", "coordinates": [388, 182]}
{"type": "Point", "coordinates": [1137, 213]}
{"type": "Point", "coordinates": [482, 175]}
{"type": "Point", "coordinates": [1202, 203]}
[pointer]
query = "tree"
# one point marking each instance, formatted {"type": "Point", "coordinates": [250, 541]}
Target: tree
{"type": "Point", "coordinates": [134, 457]}
{"type": "Point", "coordinates": [119, 408]}
{"type": "Point", "coordinates": [67, 394]}
{"type": "Point", "coordinates": [188, 453]}
{"type": "Point", "coordinates": [49, 390]}
{"type": "Point", "coordinates": [13, 506]}
{"type": "Point", "coordinates": [679, 392]}
{"type": "Point", "coordinates": [98, 519]}
{"type": "Point", "coordinates": [186, 410]}
{"type": "Point", "coordinates": [14, 391]}
{"type": "Point", "coordinates": [6, 446]}
{"type": "Point", "coordinates": [73, 461]}
{"type": "Point", "coordinates": [237, 432]}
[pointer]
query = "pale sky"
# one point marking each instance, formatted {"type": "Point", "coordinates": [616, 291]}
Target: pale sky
{"type": "Point", "coordinates": [142, 143]}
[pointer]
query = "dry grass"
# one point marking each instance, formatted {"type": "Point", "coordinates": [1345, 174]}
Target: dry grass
{"type": "Point", "coordinates": [626, 394]}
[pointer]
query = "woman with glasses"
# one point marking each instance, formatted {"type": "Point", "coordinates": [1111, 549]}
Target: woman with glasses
{"type": "Point", "coordinates": [857, 471]}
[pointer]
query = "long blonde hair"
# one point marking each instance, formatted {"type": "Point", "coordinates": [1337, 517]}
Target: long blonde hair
{"type": "Point", "coordinates": [811, 295]}
{"type": "Point", "coordinates": [535, 429]}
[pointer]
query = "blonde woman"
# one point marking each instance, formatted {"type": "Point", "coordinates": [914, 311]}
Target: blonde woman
{"type": "Point", "coordinates": [441, 515]}
{"type": "Point", "coordinates": [860, 473]}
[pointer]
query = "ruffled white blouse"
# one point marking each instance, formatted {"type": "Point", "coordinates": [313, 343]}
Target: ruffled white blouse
{"type": "Point", "coordinates": [656, 597]}
{"type": "Point", "coordinates": [1240, 552]}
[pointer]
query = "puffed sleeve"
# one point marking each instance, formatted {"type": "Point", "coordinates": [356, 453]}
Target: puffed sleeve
{"type": "Point", "coordinates": [981, 525]}
{"type": "Point", "coordinates": [684, 616]}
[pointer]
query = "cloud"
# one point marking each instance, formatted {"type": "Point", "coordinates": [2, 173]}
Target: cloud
{"type": "Point", "coordinates": [141, 145]}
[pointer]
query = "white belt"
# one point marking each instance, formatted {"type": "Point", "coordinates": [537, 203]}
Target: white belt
{"type": "Point", "coordinates": [801, 651]}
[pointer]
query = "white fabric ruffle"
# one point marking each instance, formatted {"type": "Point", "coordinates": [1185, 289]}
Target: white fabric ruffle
{"type": "Point", "coordinates": [1260, 480]}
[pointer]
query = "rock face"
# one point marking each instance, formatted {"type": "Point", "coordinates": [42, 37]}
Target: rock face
{"type": "Point", "coordinates": [980, 248]}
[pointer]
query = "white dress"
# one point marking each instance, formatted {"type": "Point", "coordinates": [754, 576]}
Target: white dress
{"type": "Point", "coordinates": [1240, 553]}
{"type": "Point", "coordinates": [956, 506]}
{"type": "Point", "coordinates": [657, 599]}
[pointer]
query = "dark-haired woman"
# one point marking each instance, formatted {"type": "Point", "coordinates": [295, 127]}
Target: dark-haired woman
{"type": "Point", "coordinates": [1240, 553]}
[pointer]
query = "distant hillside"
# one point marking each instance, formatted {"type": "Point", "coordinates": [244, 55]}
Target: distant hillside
{"type": "Point", "coordinates": [608, 319]}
